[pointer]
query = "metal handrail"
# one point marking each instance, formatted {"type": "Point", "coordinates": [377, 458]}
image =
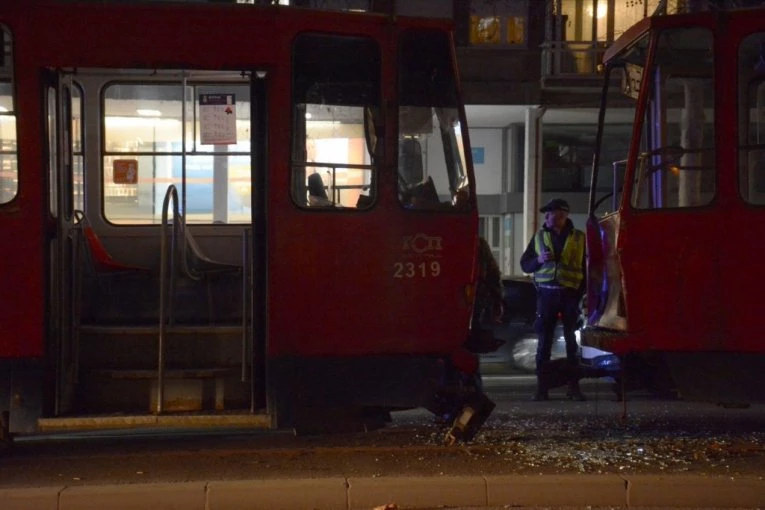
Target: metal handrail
{"type": "Point", "coordinates": [164, 302]}
{"type": "Point", "coordinates": [571, 58]}
{"type": "Point", "coordinates": [166, 286]}
{"type": "Point", "coordinates": [246, 347]}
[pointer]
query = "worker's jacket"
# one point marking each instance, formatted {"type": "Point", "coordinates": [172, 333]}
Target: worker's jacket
{"type": "Point", "coordinates": [566, 269]}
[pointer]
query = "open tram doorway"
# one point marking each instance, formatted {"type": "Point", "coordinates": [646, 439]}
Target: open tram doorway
{"type": "Point", "coordinates": [157, 260]}
{"type": "Point", "coordinates": [60, 98]}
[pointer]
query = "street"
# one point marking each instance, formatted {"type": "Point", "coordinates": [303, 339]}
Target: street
{"type": "Point", "coordinates": [645, 435]}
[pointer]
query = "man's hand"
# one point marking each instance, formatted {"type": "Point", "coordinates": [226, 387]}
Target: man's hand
{"type": "Point", "coordinates": [545, 256]}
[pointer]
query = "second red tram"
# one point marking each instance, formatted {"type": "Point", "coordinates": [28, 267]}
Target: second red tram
{"type": "Point", "coordinates": [675, 237]}
{"type": "Point", "coordinates": [224, 214]}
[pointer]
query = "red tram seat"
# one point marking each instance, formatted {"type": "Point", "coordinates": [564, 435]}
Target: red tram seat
{"type": "Point", "coordinates": [100, 258]}
{"type": "Point", "coordinates": [94, 265]}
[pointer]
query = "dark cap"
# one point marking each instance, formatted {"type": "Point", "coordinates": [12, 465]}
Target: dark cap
{"type": "Point", "coordinates": [554, 205]}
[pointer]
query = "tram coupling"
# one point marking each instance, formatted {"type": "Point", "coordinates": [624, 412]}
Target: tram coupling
{"type": "Point", "coordinates": [470, 418]}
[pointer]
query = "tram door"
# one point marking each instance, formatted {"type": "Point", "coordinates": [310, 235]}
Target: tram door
{"type": "Point", "coordinates": [61, 247]}
{"type": "Point", "coordinates": [172, 141]}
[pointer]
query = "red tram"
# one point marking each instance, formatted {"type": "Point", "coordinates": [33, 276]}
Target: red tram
{"type": "Point", "coordinates": [675, 248]}
{"type": "Point", "coordinates": [227, 215]}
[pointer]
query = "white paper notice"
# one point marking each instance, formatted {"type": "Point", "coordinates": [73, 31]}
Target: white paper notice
{"type": "Point", "coordinates": [217, 119]}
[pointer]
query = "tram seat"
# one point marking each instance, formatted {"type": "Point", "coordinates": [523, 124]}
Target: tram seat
{"type": "Point", "coordinates": [102, 266]}
{"type": "Point", "coordinates": [99, 257]}
{"type": "Point", "coordinates": [196, 265]}
{"type": "Point", "coordinates": [411, 168]}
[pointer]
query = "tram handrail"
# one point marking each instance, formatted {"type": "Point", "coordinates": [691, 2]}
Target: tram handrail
{"type": "Point", "coordinates": [245, 300]}
{"type": "Point", "coordinates": [164, 302]}
{"type": "Point", "coordinates": [166, 286]}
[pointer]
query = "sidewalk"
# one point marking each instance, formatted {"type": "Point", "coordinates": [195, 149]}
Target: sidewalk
{"type": "Point", "coordinates": [341, 493]}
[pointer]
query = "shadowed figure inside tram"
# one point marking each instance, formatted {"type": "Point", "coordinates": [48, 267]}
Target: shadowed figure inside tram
{"type": "Point", "coordinates": [317, 194]}
{"type": "Point", "coordinates": [415, 190]}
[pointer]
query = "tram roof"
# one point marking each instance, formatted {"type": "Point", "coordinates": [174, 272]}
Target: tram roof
{"type": "Point", "coordinates": [672, 20]}
{"type": "Point", "coordinates": [282, 10]}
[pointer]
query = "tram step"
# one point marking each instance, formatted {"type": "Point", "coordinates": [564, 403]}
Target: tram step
{"type": "Point", "coordinates": [183, 388]}
{"type": "Point", "coordinates": [101, 329]}
{"type": "Point", "coordinates": [181, 373]}
{"type": "Point", "coordinates": [137, 421]}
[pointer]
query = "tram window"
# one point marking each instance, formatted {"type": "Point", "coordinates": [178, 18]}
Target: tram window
{"type": "Point", "coordinates": [336, 122]}
{"type": "Point", "coordinates": [676, 167]}
{"type": "Point", "coordinates": [144, 152]}
{"type": "Point", "coordinates": [752, 123]}
{"type": "Point", "coordinates": [9, 177]}
{"type": "Point", "coordinates": [78, 164]}
{"type": "Point", "coordinates": [53, 157]}
{"type": "Point", "coordinates": [431, 157]}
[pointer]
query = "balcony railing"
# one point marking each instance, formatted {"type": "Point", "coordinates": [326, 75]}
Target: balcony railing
{"type": "Point", "coordinates": [571, 59]}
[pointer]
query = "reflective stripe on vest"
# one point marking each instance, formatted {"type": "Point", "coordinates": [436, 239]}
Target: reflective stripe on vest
{"type": "Point", "coordinates": [568, 270]}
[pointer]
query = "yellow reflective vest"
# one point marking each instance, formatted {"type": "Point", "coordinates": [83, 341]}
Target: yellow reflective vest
{"type": "Point", "coordinates": [567, 270]}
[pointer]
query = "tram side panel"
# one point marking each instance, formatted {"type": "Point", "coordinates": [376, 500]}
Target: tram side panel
{"type": "Point", "coordinates": [669, 282]}
{"type": "Point", "coordinates": [361, 306]}
{"type": "Point", "coordinates": [364, 327]}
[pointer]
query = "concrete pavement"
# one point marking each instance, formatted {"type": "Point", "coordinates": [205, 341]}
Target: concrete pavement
{"type": "Point", "coordinates": [516, 491]}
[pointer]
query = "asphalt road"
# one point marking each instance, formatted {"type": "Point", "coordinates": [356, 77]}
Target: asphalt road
{"type": "Point", "coordinates": [643, 435]}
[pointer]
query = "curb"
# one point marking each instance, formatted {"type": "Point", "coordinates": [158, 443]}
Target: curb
{"type": "Point", "coordinates": [340, 493]}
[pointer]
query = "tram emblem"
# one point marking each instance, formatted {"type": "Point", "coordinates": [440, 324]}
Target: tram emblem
{"type": "Point", "coordinates": [421, 243]}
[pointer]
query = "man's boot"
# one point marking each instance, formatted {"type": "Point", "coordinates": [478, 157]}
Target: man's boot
{"type": "Point", "coordinates": [574, 393]}
{"type": "Point", "coordinates": [541, 393]}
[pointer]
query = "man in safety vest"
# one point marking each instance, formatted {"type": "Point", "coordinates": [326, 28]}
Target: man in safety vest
{"type": "Point", "coordinates": [556, 256]}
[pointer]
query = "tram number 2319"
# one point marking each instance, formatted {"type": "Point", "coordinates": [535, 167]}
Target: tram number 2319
{"type": "Point", "coordinates": [430, 269]}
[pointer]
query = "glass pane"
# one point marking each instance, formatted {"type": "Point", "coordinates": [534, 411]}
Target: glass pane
{"type": "Point", "coordinates": [485, 30]}
{"type": "Point", "coordinates": [138, 199]}
{"type": "Point", "coordinates": [752, 119]}
{"type": "Point", "coordinates": [336, 121]}
{"type": "Point", "coordinates": [676, 167]}
{"type": "Point", "coordinates": [9, 178]}
{"type": "Point", "coordinates": [144, 154]}
{"type": "Point", "coordinates": [497, 23]}
{"type": "Point", "coordinates": [142, 118]}
{"type": "Point", "coordinates": [431, 161]}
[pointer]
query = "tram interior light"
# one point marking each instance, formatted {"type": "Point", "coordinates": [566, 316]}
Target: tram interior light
{"type": "Point", "coordinates": [140, 122]}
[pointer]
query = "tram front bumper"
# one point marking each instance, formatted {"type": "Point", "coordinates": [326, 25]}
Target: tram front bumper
{"type": "Point", "coordinates": [608, 340]}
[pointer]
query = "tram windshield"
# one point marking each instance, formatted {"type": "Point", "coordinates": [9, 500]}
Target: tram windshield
{"type": "Point", "coordinates": [674, 165]}
{"type": "Point", "coordinates": [431, 167]}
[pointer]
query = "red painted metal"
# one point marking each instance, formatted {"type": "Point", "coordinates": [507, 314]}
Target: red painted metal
{"type": "Point", "coordinates": [684, 279]}
{"type": "Point", "coordinates": [337, 299]}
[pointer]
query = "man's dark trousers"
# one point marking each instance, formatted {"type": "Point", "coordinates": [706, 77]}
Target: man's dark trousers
{"type": "Point", "coordinates": [554, 304]}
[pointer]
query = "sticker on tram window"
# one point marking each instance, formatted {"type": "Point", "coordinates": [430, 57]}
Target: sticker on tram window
{"type": "Point", "coordinates": [217, 119]}
{"type": "Point", "coordinates": [428, 269]}
{"type": "Point", "coordinates": [125, 171]}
